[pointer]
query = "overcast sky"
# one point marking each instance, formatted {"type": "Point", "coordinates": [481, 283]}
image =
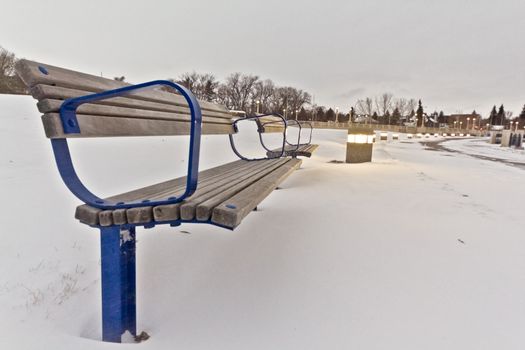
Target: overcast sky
{"type": "Point", "coordinates": [455, 55]}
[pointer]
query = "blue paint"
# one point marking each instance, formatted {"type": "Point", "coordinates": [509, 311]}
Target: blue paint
{"type": "Point", "coordinates": [43, 70]}
{"type": "Point", "coordinates": [230, 206]}
{"type": "Point", "coordinates": [70, 125]}
{"type": "Point", "coordinates": [118, 283]}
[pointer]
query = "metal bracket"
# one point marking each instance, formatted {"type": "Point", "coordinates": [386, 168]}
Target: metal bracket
{"type": "Point", "coordinates": [70, 124]}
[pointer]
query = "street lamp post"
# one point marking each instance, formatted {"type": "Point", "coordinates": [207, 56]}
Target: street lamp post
{"type": "Point", "coordinates": [257, 104]}
{"type": "Point", "coordinates": [336, 114]}
{"type": "Point", "coordinates": [296, 111]}
{"type": "Point", "coordinates": [460, 125]}
{"type": "Point", "coordinates": [468, 119]}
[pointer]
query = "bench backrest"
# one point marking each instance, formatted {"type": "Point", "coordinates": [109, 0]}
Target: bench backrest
{"type": "Point", "coordinates": [145, 113]}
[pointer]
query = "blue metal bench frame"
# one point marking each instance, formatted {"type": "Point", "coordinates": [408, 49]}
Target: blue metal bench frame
{"type": "Point", "coordinates": [71, 126]}
{"type": "Point", "coordinates": [118, 241]}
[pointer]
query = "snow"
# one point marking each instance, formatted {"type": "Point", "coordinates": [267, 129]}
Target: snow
{"type": "Point", "coordinates": [481, 148]}
{"type": "Point", "coordinates": [419, 249]}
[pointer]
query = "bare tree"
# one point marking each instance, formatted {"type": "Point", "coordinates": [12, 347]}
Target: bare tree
{"type": "Point", "coordinates": [411, 106]}
{"type": "Point", "coordinates": [9, 82]}
{"type": "Point", "coordinates": [401, 104]}
{"type": "Point", "coordinates": [298, 99]}
{"type": "Point", "coordinates": [383, 104]}
{"type": "Point", "coordinates": [263, 91]}
{"type": "Point", "coordinates": [237, 89]}
{"type": "Point", "coordinates": [7, 62]}
{"type": "Point", "coordinates": [365, 107]}
{"type": "Point", "coordinates": [204, 86]}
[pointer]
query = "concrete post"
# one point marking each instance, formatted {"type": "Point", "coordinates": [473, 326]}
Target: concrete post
{"type": "Point", "coordinates": [359, 145]}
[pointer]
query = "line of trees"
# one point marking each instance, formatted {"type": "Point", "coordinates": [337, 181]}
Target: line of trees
{"type": "Point", "coordinates": [9, 82]}
{"type": "Point", "coordinates": [246, 92]}
{"type": "Point", "coordinates": [385, 109]}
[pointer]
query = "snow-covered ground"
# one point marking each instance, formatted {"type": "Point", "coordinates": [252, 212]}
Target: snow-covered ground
{"type": "Point", "coordinates": [481, 148]}
{"type": "Point", "coordinates": [419, 249]}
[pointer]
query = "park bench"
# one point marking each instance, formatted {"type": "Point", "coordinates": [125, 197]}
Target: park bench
{"type": "Point", "coordinates": [76, 105]}
{"type": "Point", "coordinates": [294, 145]}
{"type": "Point", "coordinates": [294, 151]}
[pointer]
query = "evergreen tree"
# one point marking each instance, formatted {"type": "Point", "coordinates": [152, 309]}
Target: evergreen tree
{"type": "Point", "coordinates": [330, 115]}
{"type": "Point", "coordinates": [375, 116]}
{"type": "Point", "coordinates": [419, 114]}
{"type": "Point", "coordinates": [343, 118]}
{"type": "Point", "coordinates": [320, 114]}
{"type": "Point", "coordinates": [396, 116]}
{"type": "Point", "coordinates": [501, 115]}
{"type": "Point", "coordinates": [388, 117]}
{"type": "Point", "coordinates": [303, 114]}
{"type": "Point", "coordinates": [493, 116]}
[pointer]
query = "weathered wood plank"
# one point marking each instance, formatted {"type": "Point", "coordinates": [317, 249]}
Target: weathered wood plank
{"type": "Point", "coordinates": [105, 126]}
{"type": "Point", "coordinates": [87, 215]}
{"type": "Point", "coordinates": [231, 212]}
{"type": "Point", "coordinates": [204, 209]}
{"type": "Point", "coordinates": [205, 182]}
{"type": "Point", "coordinates": [226, 186]}
{"type": "Point", "coordinates": [31, 75]}
{"type": "Point", "coordinates": [172, 212]}
{"type": "Point", "coordinates": [139, 215]}
{"type": "Point", "coordinates": [90, 215]}
{"type": "Point", "coordinates": [53, 106]}
{"type": "Point", "coordinates": [302, 150]}
{"type": "Point", "coordinates": [48, 92]}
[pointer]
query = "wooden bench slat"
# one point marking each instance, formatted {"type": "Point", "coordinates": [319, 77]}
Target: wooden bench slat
{"type": "Point", "coordinates": [231, 212]}
{"type": "Point", "coordinates": [302, 150]}
{"type": "Point", "coordinates": [161, 191]}
{"type": "Point", "coordinates": [50, 106]}
{"type": "Point", "coordinates": [30, 73]}
{"type": "Point", "coordinates": [170, 212]}
{"type": "Point", "coordinates": [204, 209]}
{"type": "Point", "coordinates": [48, 92]}
{"type": "Point", "coordinates": [224, 187]}
{"type": "Point", "coordinates": [107, 126]}
{"type": "Point", "coordinates": [89, 215]}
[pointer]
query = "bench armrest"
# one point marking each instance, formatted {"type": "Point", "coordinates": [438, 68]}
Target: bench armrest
{"type": "Point", "coordinates": [260, 130]}
{"type": "Point", "coordinates": [70, 124]}
{"type": "Point", "coordinates": [300, 125]}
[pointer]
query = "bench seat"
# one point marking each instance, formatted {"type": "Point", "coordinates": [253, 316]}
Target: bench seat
{"type": "Point", "coordinates": [224, 196]}
{"type": "Point", "coordinates": [291, 151]}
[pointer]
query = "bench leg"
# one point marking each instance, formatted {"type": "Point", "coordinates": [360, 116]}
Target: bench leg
{"type": "Point", "coordinates": [118, 283]}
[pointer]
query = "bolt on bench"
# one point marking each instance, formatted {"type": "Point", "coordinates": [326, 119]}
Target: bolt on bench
{"type": "Point", "coordinates": [81, 105]}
